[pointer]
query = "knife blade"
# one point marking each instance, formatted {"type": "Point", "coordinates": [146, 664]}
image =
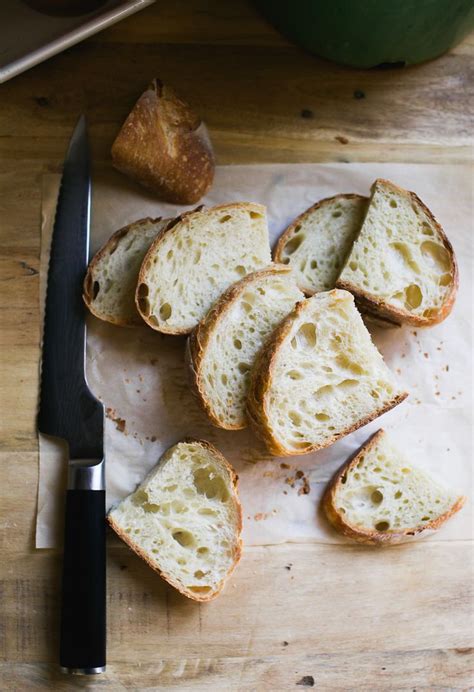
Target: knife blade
{"type": "Point", "coordinates": [69, 410]}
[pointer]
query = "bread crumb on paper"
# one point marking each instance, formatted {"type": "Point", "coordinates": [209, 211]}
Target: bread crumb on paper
{"type": "Point", "coordinates": [299, 476]}
{"type": "Point", "coordinates": [305, 488]}
{"type": "Point", "coordinates": [263, 515]}
{"type": "Point", "coordinates": [306, 681]}
{"type": "Point", "coordinates": [120, 423]}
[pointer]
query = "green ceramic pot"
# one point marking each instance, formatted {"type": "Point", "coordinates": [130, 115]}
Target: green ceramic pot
{"type": "Point", "coordinates": [368, 33]}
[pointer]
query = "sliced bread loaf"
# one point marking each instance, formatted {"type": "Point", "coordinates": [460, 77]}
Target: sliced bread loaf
{"type": "Point", "coordinates": [318, 241]}
{"type": "Point", "coordinates": [401, 266]}
{"type": "Point", "coordinates": [195, 258]}
{"type": "Point", "coordinates": [111, 279]}
{"type": "Point", "coordinates": [185, 519]}
{"type": "Point", "coordinates": [320, 377]}
{"type": "Point", "coordinates": [223, 347]}
{"type": "Point", "coordinates": [378, 497]}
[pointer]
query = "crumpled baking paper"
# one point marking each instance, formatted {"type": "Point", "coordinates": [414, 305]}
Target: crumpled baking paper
{"type": "Point", "coordinates": [140, 375]}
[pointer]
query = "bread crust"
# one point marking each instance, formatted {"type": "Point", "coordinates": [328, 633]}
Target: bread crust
{"type": "Point", "coordinates": [371, 320]}
{"type": "Point", "coordinates": [289, 231]}
{"type": "Point", "coordinates": [107, 249]}
{"type": "Point", "coordinates": [202, 598]}
{"type": "Point", "coordinates": [260, 384]}
{"type": "Point", "coordinates": [200, 337]}
{"type": "Point", "coordinates": [371, 536]}
{"type": "Point", "coordinates": [174, 226]}
{"type": "Point", "coordinates": [164, 146]}
{"type": "Point", "coordinates": [379, 307]}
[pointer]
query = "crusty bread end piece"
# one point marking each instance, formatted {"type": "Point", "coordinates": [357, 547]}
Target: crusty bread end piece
{"type": "Point", "coordinates": [111, 279]}
{"type": "Point", "coordinates": [401, 267]}
{"type": "Point", "coordinates": [379, 498]}
{"type": "Point", "coordinates": [185, 519]}
{"type": "Point", "coordinates": [319, 378]}
{"type": "Point", "coordinates": [221, 351]}
{"type": "Point", "coordinates": [319, 240]}
{"type": "Point", "coordinates": [197, 257]}
{"type": "Point", "coordinates": [164, 146]}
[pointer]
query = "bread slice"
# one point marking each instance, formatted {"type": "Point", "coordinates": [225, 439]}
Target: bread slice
{"type": "Point", "coordinates": [111, 279]}
{"type": "Point", "coordinates": [379, 498]}
{"type": "Point", "coordinates": [223, 347]}
{"type": "Point", "coordinates": [401, 266]}
{"type": "Point", "coordinates": [319, 378]}
{"type": "Point", "coordinates": [164, 146]}
{"type": "Point", "coordinates": [318, 241]}
{"type": "Point", "coordinates": [185, 519]}
{"type": "Point", "coordinates": [195, 259]}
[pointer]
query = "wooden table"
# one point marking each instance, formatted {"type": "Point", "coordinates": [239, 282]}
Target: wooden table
{"type": "Point", "coordinates": [274, 627]}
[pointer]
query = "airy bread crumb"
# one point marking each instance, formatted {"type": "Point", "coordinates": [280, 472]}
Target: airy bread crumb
{"type": "Point", "coordinates": [185, 519]}
{"type": "Point", "coordinates": [319, 378]}
{"type": "Point", "coordinates": [195, 259]}
{"type": "Point", "coordinates": [112, 275]}
{"type": "Point", "coordinates": [318, 241]}
{"type": "Point", "coordinates": [223, 347]}
{"type": "Point", "coordinates": [401, 267]}
{"type": "Point", "coordinates": [378, 497]}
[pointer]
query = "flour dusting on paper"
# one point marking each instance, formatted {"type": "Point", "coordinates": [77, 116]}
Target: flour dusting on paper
{"type": "Point", "coordinates": [140, 374]}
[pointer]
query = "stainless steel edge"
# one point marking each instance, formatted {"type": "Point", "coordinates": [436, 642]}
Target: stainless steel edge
{"type": "Point", "coordinates": [89, 28]}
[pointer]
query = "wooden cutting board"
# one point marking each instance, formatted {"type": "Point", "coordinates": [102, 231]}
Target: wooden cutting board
{"type": "Point", "coordinates": [296, 615]}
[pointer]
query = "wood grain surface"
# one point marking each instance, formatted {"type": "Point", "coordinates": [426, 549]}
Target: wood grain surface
{"type": "Point", "coordinates": [274, 628]}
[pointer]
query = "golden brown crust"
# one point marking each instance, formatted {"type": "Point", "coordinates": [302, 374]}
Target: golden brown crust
{"type": "Point", "coordinates": [237, 548]}
{"type": "Point", "coordinates": [261, 382]}
{"type": "Point", "coordinates": [199, 338]}
{"type": "Point", "coordinates": [174, 226]}
{"type": "Point", "coordinates": [379, 307]}
{"type": "Point", "coordinates": [164, 146]}
{"type": "Point", "coordinates": [289, 232]}
{"type": "Point", "coordinates": [369, 536]}
{"type": "Point", "coordinates": [107, 249]}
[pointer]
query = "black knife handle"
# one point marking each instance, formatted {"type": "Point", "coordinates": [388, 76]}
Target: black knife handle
{"type": "Point", "coordinates": [82, 642]}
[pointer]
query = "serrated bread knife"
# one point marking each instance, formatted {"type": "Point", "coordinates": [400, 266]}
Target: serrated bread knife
{"type": "Point", "coordinates": [69, 410]}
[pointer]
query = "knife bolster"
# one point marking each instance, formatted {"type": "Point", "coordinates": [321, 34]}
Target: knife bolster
{"type": "Point", "coordinates": [86, 474]}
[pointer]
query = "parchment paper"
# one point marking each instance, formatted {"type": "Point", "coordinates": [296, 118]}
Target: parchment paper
{"type": "Point", "coordinates": [139, 374]}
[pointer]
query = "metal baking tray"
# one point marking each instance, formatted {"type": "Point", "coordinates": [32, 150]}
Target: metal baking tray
{"type": "Point", "coordinates": [27, 37]}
